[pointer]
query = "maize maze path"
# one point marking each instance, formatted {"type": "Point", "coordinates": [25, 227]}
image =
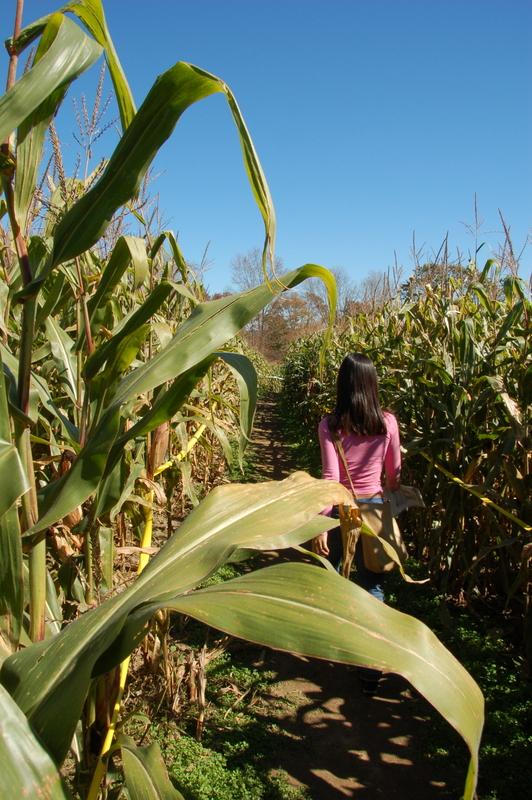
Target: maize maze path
{"type": "Point", "coordinates": [341, 743]}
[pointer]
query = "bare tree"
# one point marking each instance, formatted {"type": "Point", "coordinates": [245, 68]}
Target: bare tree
{"type": "Point", "coordinates": [315, 295]}
{"type": "Point", "coordinates": [247, 271]}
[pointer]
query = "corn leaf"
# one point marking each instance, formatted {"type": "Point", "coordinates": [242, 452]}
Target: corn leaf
{"type": "Point", "coordinates": [91, 13]}
{"type": "Point", "coordinates": [209, 326]}
{"type": "Point", "coordinates": [294, 607]}
{"type": "Point", "coordinates": [167, 404]}
{"type": "Point", "coordinates": [31, 133]}
{"type": "Point", "coordinates": [316, 613]}
{"type": "Point", "coordinates": [71, 53]}
{"type": "Point", "coordinates": [12, 594]}
{"type": "Point", "coordinates": [27, 769]}
{"type": "Point", "coordinates": [145, 772]}
{"type": "Point", "coordinates": [49, 680]}
{"type": "Point", "coordinates": [173, 92]}
{"type": "Point", "coordinates": [127, 249]}
{"type": "Point", "coordinates": [129, 325]}
{"type": "Point", "coordinates": [246, 377]}
{"type": "Point", "coordinates": [65, 359]}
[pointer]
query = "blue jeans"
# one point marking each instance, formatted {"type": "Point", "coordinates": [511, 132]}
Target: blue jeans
{"type": "Point", "coordinates": [372, 582]}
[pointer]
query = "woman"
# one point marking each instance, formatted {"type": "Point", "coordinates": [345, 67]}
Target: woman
{"type": "Point", "coordinates": [370, 439]}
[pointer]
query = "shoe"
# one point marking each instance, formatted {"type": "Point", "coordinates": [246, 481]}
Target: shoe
{"type": "Point", "coordinates": [368, 687]}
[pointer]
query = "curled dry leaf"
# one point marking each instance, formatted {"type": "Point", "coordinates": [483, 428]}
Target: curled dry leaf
{"type": "Point", "coordinates": [73, 518]}
{"type": "Point", "coordinates": [60, 544]}
{"type": "Point", "coordinates": [160, 439]}
{"type": "Point", "coordinates": [159, 496]}
{"type": "Point", "coordinates": [526, 552]}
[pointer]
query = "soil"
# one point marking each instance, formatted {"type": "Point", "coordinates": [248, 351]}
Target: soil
{"type": "Point", "coordinates": [355, 746]}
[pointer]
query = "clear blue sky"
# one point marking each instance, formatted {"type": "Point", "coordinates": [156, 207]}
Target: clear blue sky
{"type": "Point", "coordinates": [372, 119]}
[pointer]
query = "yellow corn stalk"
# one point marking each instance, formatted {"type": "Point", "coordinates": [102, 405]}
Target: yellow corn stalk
{"type": "Point", "coordinates": [124, 667]}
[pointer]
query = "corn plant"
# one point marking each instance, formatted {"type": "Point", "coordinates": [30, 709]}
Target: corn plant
{"type": "Point", "coordinates": [456, 370]}
{"type": "Point", "coordinates": [69, 383]}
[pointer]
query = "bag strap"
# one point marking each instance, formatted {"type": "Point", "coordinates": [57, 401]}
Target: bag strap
{"type": "Point", "coordinates": [341, 453]}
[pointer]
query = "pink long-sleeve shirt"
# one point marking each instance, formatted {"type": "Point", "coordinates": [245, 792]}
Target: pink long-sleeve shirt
{"type": "Point", "coordinates": [366, 458]}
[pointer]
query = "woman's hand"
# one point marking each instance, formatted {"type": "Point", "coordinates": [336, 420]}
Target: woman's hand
{"type": "Point", "coordinates": [320, 545]}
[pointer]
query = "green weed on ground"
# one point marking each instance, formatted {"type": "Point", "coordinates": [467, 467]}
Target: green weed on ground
{"type": "Point", "coordinates": [242, 743]}
{"type": "Point", "coordinates": [200, 772]}
{"type": "Point", "coordinates": [485, 646]}
{"type": "Point", "coordinates": [301, 441]}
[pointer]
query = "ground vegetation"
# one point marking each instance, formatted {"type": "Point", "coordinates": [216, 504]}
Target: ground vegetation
{"type": "Point", "coordinates": [115, 371]}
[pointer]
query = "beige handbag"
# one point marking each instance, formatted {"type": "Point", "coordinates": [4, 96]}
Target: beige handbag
{"type": "Point", "coordinates": [382, 542]}
{"type": "Point", "coordinates": [380, 521]}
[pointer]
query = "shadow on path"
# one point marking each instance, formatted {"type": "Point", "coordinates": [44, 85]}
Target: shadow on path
{"type": "Point", "coordinates": [273, 461]}
{"type": "Point", "coordinates": [355, 746]}
{"type": "Point", "coordinates": [349, 745]}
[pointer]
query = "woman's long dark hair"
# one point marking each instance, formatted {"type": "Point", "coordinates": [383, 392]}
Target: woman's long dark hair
{"type": "Point", "coordinates": [358, 409]}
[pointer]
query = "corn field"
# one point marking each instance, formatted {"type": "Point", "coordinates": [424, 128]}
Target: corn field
{"type": "Point", "coordinates": [455, 366]}
{"type": "Point", "coordinates": [122, 390]}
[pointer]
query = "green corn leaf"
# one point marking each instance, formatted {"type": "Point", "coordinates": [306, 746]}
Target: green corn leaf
{"type": "Point", "coordinates": [163, 409]}
{"type": "Point", "coordinates": [129, 325]}
{"type": "Point", "coordinates": [293, 607]}
{"type": "Point", "coordinates": [183, 290]}
{"type": "Point", "coordinates": [71, 53]}
{"type": "Point", "coordinates": [246, 376]}
{"type": "Point", "coordinates": [70, 431]}
{"type": "Point", "coordinates": [511, 318]}
{"type": "Point", "coordinates": [65, 359]}
{"type": "Point", "coordinates": [91, 13]}
{"type": "Point", "coordinates": [49, 680]}
{"type": "Point", "coordinates": [209, 326]}
{"type": "Point", "coordinates": [13, 478]}
{"type": "Point", "coordinates": [10, 370]}
{"type": "Point", "coordinates": [107, 555]}
{"type": "Point", "coordinates": [157, 244]}
{"type": "Point", "coordinates": [82, 479]}
{"type": "Point", "coordinates": [31, 133]}
{"type": "Point", "coordinates": [27, 35]}
{"type": "Point", "coordinates": [128, 485]}
{"type": "Point", "coordinates": [513, 285]}
{"type": "Point", "coordinates": [145, 772]}
{"type": "Point", "coordinates": [480, 291]}
{"type": "Point", "coordinates": [55, 291]}
{"type": "Point", "coordinates": [115, 486]}
{"type": "Point", "coordinates": [218, 431]}
{"type": "Point", "coordinates": [178, 255]}
{"type": "Point", "coordinates": [4, 294]}
{"type": "Point", "coordinates": [128, 249]}
{"type": "Point", "coordinates": [172, 93]}
{"type": "Point", "coordinates": [104, 385]}
{"type": "Point", "coordinates": [12, 594]}
{"type": "Point", "coordinates": [139, 259]}
{"type": "Point", "coordinates": [88, 219]}
{"type": "Point", "coordinates": [167, 404]}
{"type": "Point", "coordinates": [54, 612]}
{"type": "Point", "coordinates": [27, 769]}
{"type": "Point", "coordinates": [316, 613]}
{"type": "Point", "coordinates": [163, 332]}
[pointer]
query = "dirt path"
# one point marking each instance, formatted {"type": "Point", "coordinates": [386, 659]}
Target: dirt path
{"type": "Point", "coordinates": [354, 746]}
{"type": "Point", "coordinates": [273, 460]}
